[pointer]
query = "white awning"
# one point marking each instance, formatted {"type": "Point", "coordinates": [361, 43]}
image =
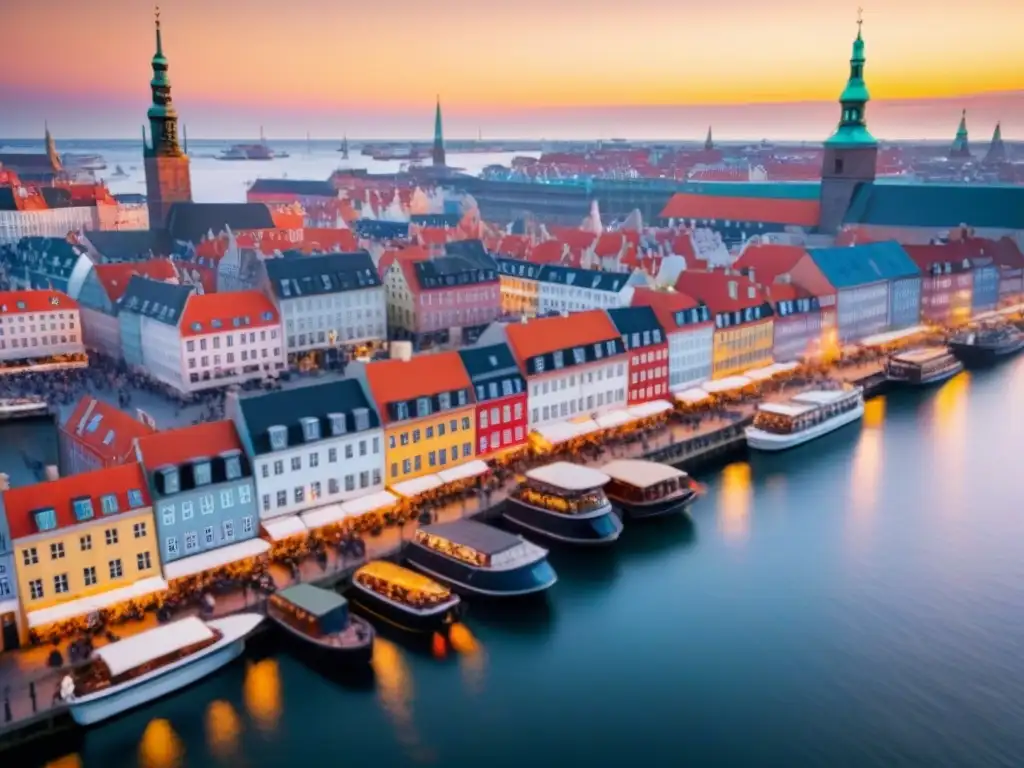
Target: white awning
{"type": "Point", "coordinates": [8, 606]}
{"type": "Point", "coordinates": [409, 489]}
{"type": "Point", "coordinates": [585, 427]}
{"type": "Point", "coordinates": [557, 433]}
{"type": "Point", "coordinates": [760, 374]}
{"type": "Point", "coordinates": [137, 650]}
{"type": "Point", "coordinates": [692, 396]}
{"type": "Point", "coordinates": [281, 528]}
{"type": "Point", "coordinates": [728, 384]}
{"type": "Point", "coordinates": [321, 516]}
{"type": "Point", "coordinates": [614, 419]}
{"type": "Point", "coordinates": [881, 339]}
{"type": "Point", "coordinates": [215, 558]}
{"type": "Point", "coordinates": [370, 503]}
{"type": "Point", "coordinates": [785, 367]}
{"type": "Point", "coordinates": [93, 603]}
{"type": "Point", "coordinates": [652, 408]}
{"type": "Point", "coordinates": [473, 468]}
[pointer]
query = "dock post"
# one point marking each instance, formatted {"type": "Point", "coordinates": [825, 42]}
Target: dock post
{"type": "Point", "coordinates": [32, 693]}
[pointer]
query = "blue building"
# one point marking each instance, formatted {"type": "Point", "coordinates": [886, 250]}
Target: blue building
{"type": "Point", "coordinates": [8, 588]}
{"type": "Point", "coordinates": [150, 301]}
{"type": "Point", "coordinates": [985, 294]}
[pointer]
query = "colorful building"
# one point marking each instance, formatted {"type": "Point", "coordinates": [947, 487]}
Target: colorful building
{"type": "Point", "coordinates": [520, 289]}
{"type": "Point", "coordinates": [98, 435]}
{"type": "Point", "coordinates": [82, 544]}
{"type": "Point", "coordinates": [647, 348]}
{"type": "Point", "coordinates": [737, 218]}
{"type": "Point", "coordinates": [38, 325]}
{"type": "Point", "coordinates": [690, 331]}
{"type": "Point", "coordinates": [502, 423]}
{"type": "Point", "coordinates": [1008, 256]}
{"type": "Point", "coordinates": [947, 282]}
{"type": "Point", "coordinates": [744, 327]}
{"type": "Point", "coordinates": [426, 406]}
{"type": "Point", "coordinates": [570, 289]}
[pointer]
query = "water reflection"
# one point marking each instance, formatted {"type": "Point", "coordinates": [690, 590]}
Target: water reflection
{"type": "Point", "coordinates": [160, 746]}
{"type": "Point", "coordinates": [394, 690]}
{"type": "Point", "coordinates": [949, 432]}
{"type": "Point", "coordinates": [262, 693]}
{"type": "Point", "coordinates": [867, 461]}
{"type": "Point", "coordinates": [222, 729]}
{"type": "Point", "coordinates": [734, 501]}
{"type": "Point", "coordinates": [472, 658]}
{"type": "Point", "coordinates": [67, 761]}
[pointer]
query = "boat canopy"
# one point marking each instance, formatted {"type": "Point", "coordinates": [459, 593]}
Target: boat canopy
{"type": "Point", "coordinates": [567, 476]}
{"type": "Point", "coordinates": [410, 489]}
{"type": "Point", "coordinates": [280, 528]}
{"type": "Point", "coordinates": [327, 609]}
{"type": "Point", "coordinates": [410, 581]}
{"type": "Point", "coordinates": [728, 384]}
{"type": "Point", "coordinates": [693, 396]}
{"type": "Point", "coordinates": [881, 339]}
{"type": "Point", "coordinates": [215, 558]}
{"type": "Point", "coordinates": [650, 408]}
{"type": "Point", "coordinates": [473, 468]}
{"type": "Point", "coordinates": [93, 603]}
{"type": "Point", "coordinates": [790, 410]}
{"type": "Point", "coordinates": [822, 396]}
{"type": "Point", "coordinates": [921, 355]}
{"type": "Point", "coordinates": [640, 473]}
{"type": "Point", "coordinates": [154, 644]}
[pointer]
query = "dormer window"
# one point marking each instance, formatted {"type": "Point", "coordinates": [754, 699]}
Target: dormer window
{"type": "Point", "coordinates": [444, 401]}
{"type": "Point", "coordinates": [579, 356]}
{"type": "Point", "coordinates": [558, 358]}
{"type": "Point", "coordinates": [610, 347]}
{"type": "Point", "coordinates": [83, 509]}
{"type": "Point", "coordinates": [635, 339]}
{"type": "Point", "coordinates": [597, 351]}
{"type": "Point", "coordinates": [338, 425]}
{"type": "Point", "coordinates": [311, 428]}
{"type": "Point", "coordinates": [109, 503]}
{"type": "Point", "coordinates": [232, 465]}
{"type": "Point", "coordinates": [46, 519]}
{"type": "Point", "coordinates": [538, 364]}
{"type": "Point", "coordinates": [423, 406]}
{"type": "Point", "coordinates": [461, 397]}
{"type": "Point", "coordinates": [171, 480]}
{"type": "Point", "coordinates": [135, 498]}
{"type": "Point", "coordinates": [278, 437]}
{"type": "Point", "coordinates": [201, 471]}
{"type": "Point", "coordinates": [361, 417]}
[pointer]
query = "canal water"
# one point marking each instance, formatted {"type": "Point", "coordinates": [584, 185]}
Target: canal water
{"type": "Point", "coordinates": [857, 602]}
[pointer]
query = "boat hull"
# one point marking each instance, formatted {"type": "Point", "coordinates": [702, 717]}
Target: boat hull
{"type": "Point", "coordinates": [528, 579]}
{"type": "Point", "coordinates": [927, 381]}
{"type": "Point", "coordinates": [377, 608]}
{"type": "Point", "coordinates": [980, 356]}
{"type": "Point", "coordinates": [672, 506]}
{"type": "Point", "coordinates": [567, 529]}
{"type": "Point", "coordinates": [760, 440]}
{"type": "Point", "coordinates": [356, 654]}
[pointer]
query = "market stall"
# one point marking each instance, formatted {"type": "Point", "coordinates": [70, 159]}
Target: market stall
{"type": "Point", "coordinates": [692, 399]}
{"type": "Point", "coordinates": [287, 536]}
{"type": "Point", "coordinates": [614, 419]}
{"type": "Point", "coordinates": [727, 385]}
{"type": "Point", "coordinates": [235, 561]}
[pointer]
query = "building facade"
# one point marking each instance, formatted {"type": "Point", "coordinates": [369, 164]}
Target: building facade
{"type": "Point", "coordinates": [796, 329]}
{"type": "Point", "coordinates": [520, 287]}
{"type": "Point", "coordinates": [98, 435]}
{"type": "Point", "coordinates": [568, 289]}
{"type": "Point", "coordinates": [310, 446]}
{"type": "Point", "coordinates": [946, 285]}
{"type": "Point", "coordinates": [502, 423]}
{"type": "Point", "coordinates": [10, 614]}
{"type": "Point", "coordinates": [647, 349]}
{"type": "Point", "coordinates": [202, 487]}
{"type": "Point", "coordinates": [39, 325]}
{"type": "Point", "coordinates": [985, 291]}
{"type": "Point", "coordinates": [690, 332]}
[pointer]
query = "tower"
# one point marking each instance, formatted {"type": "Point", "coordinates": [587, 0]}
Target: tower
{"type": "Point", "coordinates": [709, 143]}
{"type": "Point", "coordinates": [961, 147]}
{"type": "Point", "coordinates": [168, 179]}
{"type": "Point", "coordinates": [996, 154]}
{"type": "Point", "coordinates": [851, 152]}
{"type": "Point", "coordinates": [438, 153]}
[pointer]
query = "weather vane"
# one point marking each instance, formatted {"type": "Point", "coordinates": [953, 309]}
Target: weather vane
{"type": "Point", "coordinates": [860, 16]}
{"type": "Point", "coordinates": [157, 10]}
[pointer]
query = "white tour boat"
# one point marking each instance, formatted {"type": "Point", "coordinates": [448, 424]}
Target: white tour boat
{"type": "Point", "coordinates": [811, 414]}
{"type": "Point", "coordinates": [144, 667]}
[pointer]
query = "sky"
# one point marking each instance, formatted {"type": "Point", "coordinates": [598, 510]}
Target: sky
{"type": "Point", "coordinates": [660, 69]}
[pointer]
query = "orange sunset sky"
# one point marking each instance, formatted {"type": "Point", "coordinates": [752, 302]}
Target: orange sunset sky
{"type": "Point", "coordinates": [529, 68]}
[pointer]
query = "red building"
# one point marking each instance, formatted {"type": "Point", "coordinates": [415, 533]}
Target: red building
{"type": "Point", "coordinates": [500, 394]}
{"type": "Point", "coordinates": [98, 435]}
{"type": "Point", "coordinates": [646, 345]}
{"type": "Point", "coordinates": [947, 282]}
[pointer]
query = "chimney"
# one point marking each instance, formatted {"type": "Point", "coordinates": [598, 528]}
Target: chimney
{"type": "Point", "coordinates": [733, 289]}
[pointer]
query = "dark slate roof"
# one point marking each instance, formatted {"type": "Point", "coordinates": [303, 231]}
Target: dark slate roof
{"type": "Point", "coordinates": [518, 268]}
{"type": "Point", "coordinates": [483, 538]}
{"type": "Point", "coordinates": [287, 408]}
{"type": "Point", "coordinates": [56, 197]}
{"type": "Point", "coordinates": [130, 198]}
{"type": "Point", "coordinates": [384, 230]}
{"type": "Point", "coordinates": [321, 274]}
{"type": "Point", "coordinates": [938, 205]}
{"type": "Point", "coordinates": [301, 187]}
{"type": "Point", "coordinates": [465, 262]}
{"type": "Point", "coordinates": [8, 202]}
{"type": "Point", "coordinates": [155, 299]}
{"type": "Point", "coordinates": [640, 320]}
{"type": "Point", "coordinates": [313, 600]}
{"type": "Point", "coordinates": [864, 264]}
{"type": "Point", "coordinates": [439, 220]}
{"type": "Point", "coordinates": [187, 474]}
{"type": "Point", "coordinates": [50, 256]}
{"type": "Point", "coordinates": [17, 161]}
{"type": "Point", "coordinates": [584, 278]}
{"type": "Point", "coordinates": [191, 222]}
{"type": "Point", "coordinates": [131, 244]}
{"type": "Point", "coordinates": [492, 365]}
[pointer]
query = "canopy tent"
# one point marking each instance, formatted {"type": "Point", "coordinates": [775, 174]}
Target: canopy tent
{"type": "Point", "coordinates": [321, 516]}
{"type": "Point", "coordinates": [563, 431]}
{"type": "Point", "coordinates": [614, 419]}
{"type": "Point", "coordinates": [215, 558]}
{"type": "Point", "coordinates": [93, 603]}
{"type": "Point", "coordinates": [410, 489]}
{"type": "Point", "coordinates": [473, 468]}
{"type": "Point", "coordinates": [137, 650]}
{"type": "Point", "coordinates": [692, 396]}
{"type": "Point", "coordinates": [881, 339]}
{"type": "Point", "coordinates": [728, 384]}
{"type": "Point", "coordinates": [759, 374]}
{"type": "Point", "coordinates": [280, 528]}
{"type": "Point", "coordinates": [651, 408]}
{"type": "Point", "coordinates": [370, 503]}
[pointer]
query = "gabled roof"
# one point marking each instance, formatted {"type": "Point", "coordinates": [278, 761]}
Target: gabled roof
{"type": "Point", "coordinates": [21, 503]}
{"type": "Point", "coordinates": [396, 381]}
{"type": "Point", "coordinates": [107, 430]}
{"type": "Point", "coordinates": [172, 447]}
{"type": "Point", "coordinates": [593, 279]}
{"type": "Point", "coordinates": [550, 334]}
{"type": "Point", "coordinates": [154, 299]}
{"type": "Point", "coordinates": [298, 187]}
{"type": "Point", "coordinates": [321, 274]}
{"type": "Point", "coordinates": [515, 268]}
{"type": "Point", "coordinates": [494, 361]}
{"type": "Point", "coordinates": [130, 244]}
{"type": "Point", "coordinates": [713, 288]}
{"type": "Point", "coordinates": [864, 264]}
{"type": "Point", "coordinates": [669, 307]}
{"type": "Point", "coordinates": [114, 278]}
{"type": "Point", "coordinates": [796, 212]}
{"type": "Point", "coordinates": [769, 260]}
{"type": "Point", "coordinates": [18, 302]}
{"type": "Point", "coordinates": [219, 312]}
{"type": "Point", "coordinates": [464, 263]}
{"type": "Point", "coordinates": [635, 319]}
{"type": "Point", "coordinates": [191, 222]}
{"type": "Point", "coordinates": [938, 206]}
{"type": "Point", "coordinates": [934, 257]}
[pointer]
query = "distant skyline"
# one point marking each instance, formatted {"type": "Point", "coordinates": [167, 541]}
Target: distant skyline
{"type": "Point", "coordinates": [510, 70]}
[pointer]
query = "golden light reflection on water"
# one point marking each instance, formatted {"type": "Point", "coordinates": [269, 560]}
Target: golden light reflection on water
{"type": "Point", "coordinates": [67, 761]}
{"type": "Point", "coordinates": [734, 501]}
{"type": "Point", "coordinates": [262, 693]}
{"type": "Point", "coordinates": [867, 461]}
{"type": "Point", "coordinates": [160, 746]}
{"type": "Point", "coordinates": [949, 434]}
{"type": "Point", "coordinates": [394, 688]}
{"type": "Point", "coordinates": [472, 658]}
{"type": "Point", "coordinates": [222, 729]}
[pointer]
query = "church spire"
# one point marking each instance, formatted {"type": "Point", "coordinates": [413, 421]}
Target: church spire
{"type": "Point", "coordinates": [709, 144]}
{"type": "Point", "coordinates": [961, 144]}
{"type": "Point", "coordinates": [853, 129]}
{"type": "Point", "coordinates": [163, 119]}
{"type": "Point", "coordinates": [996, 150]}
{"type": "Point", "coordinates": [438, 152]}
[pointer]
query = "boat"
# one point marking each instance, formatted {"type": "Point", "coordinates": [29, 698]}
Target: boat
{"type": "Point", "coordinates": [322, 619]}
{"type": "Point", "coordinates": [804, 417]}
{"type": "Point", "coordinates": [22, 407]}
{"type": "Point", "coordinates": [119, 173]}
{"type": "Point", "coordinates": [979, 347]}
{"type": "Point", "coordinates": [644, 489]}
{"type": "Point", "coordinates": [135, 671]}
{"type": "Point", "coordinates": [564, 502]}
{"type": "Point", "coordinates": [478, 559]}
{"type": "Point", "coordinates": [403, 598]}
{"type": "Point", "coordinates": [84, 162]}
{"type": "Point", "coordinates": [922, 367]}
{"type": "Point", "coordinates": [247, 152]}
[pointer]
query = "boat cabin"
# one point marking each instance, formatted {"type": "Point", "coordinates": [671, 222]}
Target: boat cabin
{"type": "Point", "coordinates": [563, 487]}
{"type": "Point", "coordinates": [640, 482]}
{"type": "Point", "coordinates": [920, 364]}
{"type": "Point", "coordinates": [311, 611]}
{"type": "Point", "coordinates": [141, 654]}
{"type": "Point", "coordinates": [806, 410]}
{"type": "Point", "coordinates": [400, 585]}
{"type": "Point", "coordinates": [476, 544]}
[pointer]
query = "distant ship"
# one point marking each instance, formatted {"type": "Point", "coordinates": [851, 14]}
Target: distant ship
{"type": "Point", "coordinates": [84, 162]}
{"type": "Point", "coordinates": [259, 151]}
{"type": "Point", "coordinates": [119, 173]}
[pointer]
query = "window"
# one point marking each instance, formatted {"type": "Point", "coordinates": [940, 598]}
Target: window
{"type": "Point", "coordinates": [35, 587]}
{"type": "Point", "coordinates": [314, 459]}
{"type": "Point", "coordinates": [364, 477]}
{"type": "Point", "coordinates": [186, 510]}
{"type": "Point", "coordinates": [228, 530]}
{"type": "Point", "coordinates": [296, 463]}
{"type": "Point", "coordinates": [191, 542]}
{"type": "Point", "coordinates": [266, 502]}
{"type": "Point", "coordinates": [85, 542]}
{"type": "Point", "coordinates": [282, 498]}
{"type": "Point", "coordinates": [167, 514]}
{"type": "Point", "coordinates": [135, 498]}
{"type": "Point", "coordinates": [109, 504]}
{"type": "Point", "coordinates": [300, 494]}
{"type": "Point", "coordinates": [29, 556]}
{"type": "Point", "coordinates": [111, 536]}
{"type": "Point", "coordinates": [376, 477]}
{"type": "Point", "coordinates": [46, 519]}
{"type": "Point", "coordinates": [139, 530]}
{"type": "Point", "coordinates": [332, 455]}
{"type": "Point", "coordinates": [201, 473]}
{"type": "Point", "coordinates": [143, 561]}
{"type": "Point", "coordinates": [333, 486]}
{"type": "Point", "coordinates": [83, 509]}
{"type": "Point", "coordinates": [279, 467]}
{"type": "Point", "coordinates": [57, 551]}
{"type": "Point", "coordinates": [89, 575]}
{"type": "Point", "coordinates": [350, 480]}
{"type": "Point", "coordinates": [232, 467]}
{"type": "Point", "coordinates": [349, 453]}
{"type": "Point", "coordinates": [247, 524]}
{"type": "Point", "coordinates": [455, 452]}
{"type": "Point", "coordinates": [206, 504]}
{"type": "Point", "coordinates": [483, 419]}
{"type": "Point", "coordinates": [60, 583]}
{"type": "Point", "coordinates": [265, 470]}
{"type": "Point", "coordinates": [116, 571]}
{"type": "Point", "coordinates": [227, 498]}
{"type": "Point", "coordinates": [171, 546]}
{"type": "Point", "coordinates": [244, 494]}
{"type": "Point", "coordinates": [467, 448]}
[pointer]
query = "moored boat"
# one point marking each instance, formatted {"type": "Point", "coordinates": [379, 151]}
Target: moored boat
{"type": "Point", "coordinates": [403, 598]}
{"type": "Point", "coordinates": [986, 346]}
{"type": "Point", "coordinates": [322, 619]}
{"type": "Point", "coordinates": [565, 502]}
{"type": "Point", "coordinates": [804, 417]}
{"type": "Point", "coordinates": [151, 664]}
{"type": "Point", "coordinates": [643, 489]}
{"type": "Point", "coordinates": [479, 559]}
{"type": "Point", "coordinates": [922, 367]}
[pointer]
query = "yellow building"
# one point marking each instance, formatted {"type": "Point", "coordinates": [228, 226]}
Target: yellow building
{"type": "Point", "coordinates": [426, 407]}
{"type": "Point", "coordinates": [739, 348]}
{"type": "Point", "coordinates": [82, 544]}
{"type": "Point", "coordinates": [520, 288]}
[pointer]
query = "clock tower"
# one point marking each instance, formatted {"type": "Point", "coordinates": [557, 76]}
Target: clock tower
{"type": "Point", "coordinates": [168, 179]}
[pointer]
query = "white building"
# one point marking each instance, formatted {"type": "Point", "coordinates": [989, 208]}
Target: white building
{"type": "Point", "coordinates": [38, 324]}
{"type": "Point", "coordinates": [45, 222]}
{"type": "Point", "coordinates": [690, 330]}
{"type": "Point", "coordinates": [328, 302]}
{"type": "Point", "coordinates": [192, 342]}
{"type": "Point", "coordinates": [568, 289]}
{"type": "Point", "coordinates": [310, 446]}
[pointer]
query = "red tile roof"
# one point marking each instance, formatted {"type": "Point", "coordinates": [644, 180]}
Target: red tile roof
{"type": "Point", "coordinates": [20, 503]}
{"type": "Point", "coordinates": [713, 289]}
{"type": "Point", "coordinates": [16, 302]}
{"type": "Point", "coordinates": [548, 334]}
{"type": "Point", "coordinates": [115, 277]}
{"type": "Point", "coordinates": [207, 309]}
{"type": "Point", "coordinates": [769, 260]}
{"type": "Point", "coordinates": [576, 238]}
{"type": "Point", "coordinates": [803, 213]}
{"type": "Point", "coordinates": [432, 236]}
{"type": "Point", "coordinates": [328, 240]}
{"type": "Point", "coordinates": [177, 446]}
{"type": "Point", "coordinates": [395, 381]}
{"type": "Point", "coordinates": [107, 430]}
{"type": "Point", "coordinates": [285, 218]}
{"type": "Point", "coordinates": [551, 252]}
{"type": "Point", "coordinates": [514, 246]}
{"type": "Point", "coordinates": [665, 304]}
{"type": "Point", "coordinates": [410, 254]}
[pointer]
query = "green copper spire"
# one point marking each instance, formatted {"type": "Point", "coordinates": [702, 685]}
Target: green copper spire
{"type": "Point", "coordinates": [852, 129]}
{"type": "Point", "coordinates": [961, 143]}
{"type": "Point", "coordinates": [163, 118]}
{"type": "Point", "coordinates": [438, 153]}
